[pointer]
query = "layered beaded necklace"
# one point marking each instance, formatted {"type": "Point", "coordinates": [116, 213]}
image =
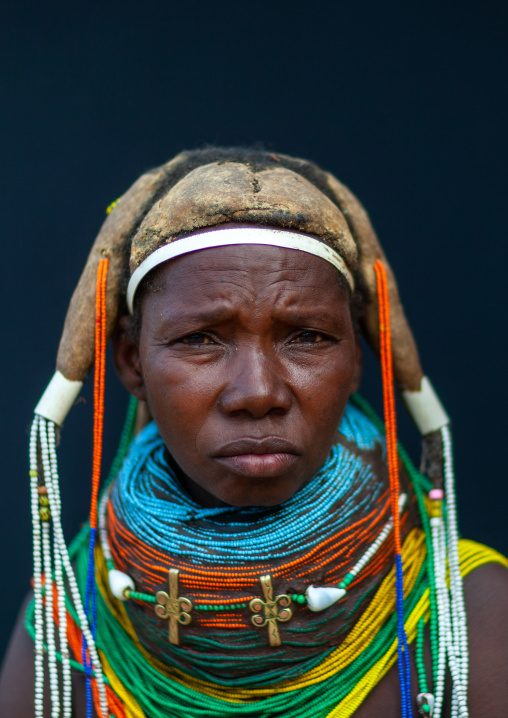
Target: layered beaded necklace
{"type": "Point", "coordinates": [335, 685]}
{"type": "Point", "coordinates": [82, 616]}
{"type": "Point", "coordinates": [149, 500]}
{"type": "Point", "coordinates": [311, 538]}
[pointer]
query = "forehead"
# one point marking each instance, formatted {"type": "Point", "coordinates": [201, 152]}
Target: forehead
{"type": "Point", "coordinates": [250, 273]}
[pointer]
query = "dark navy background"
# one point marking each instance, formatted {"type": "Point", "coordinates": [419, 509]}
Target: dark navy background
{"type": "Point", "coordinates": [406, 103]}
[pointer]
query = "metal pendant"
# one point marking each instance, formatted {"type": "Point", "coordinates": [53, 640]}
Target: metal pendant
{"type": "Point", "coordinates": [173, 607]}
{"type": "Point", "coordinates": [271, 610]}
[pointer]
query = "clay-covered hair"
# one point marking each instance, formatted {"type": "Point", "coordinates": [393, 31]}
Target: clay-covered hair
{"type": "Point", "coordinates": [216, 186]}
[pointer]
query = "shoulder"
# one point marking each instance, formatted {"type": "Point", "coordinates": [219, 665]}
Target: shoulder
{"type": "Point", "coordinates": [17, 677]}
{"type": "Point", "coordinates": [486, 597]}
{"type": "Point", "coordinates": [485, 574]}
{"type": "Point", "coordinates": [486, 594]}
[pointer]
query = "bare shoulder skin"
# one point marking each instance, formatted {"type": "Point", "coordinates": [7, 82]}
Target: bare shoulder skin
{"type": "Point", "coordinates": [17, 678]}
{"type": "Point", "coordinates": [486, 591]}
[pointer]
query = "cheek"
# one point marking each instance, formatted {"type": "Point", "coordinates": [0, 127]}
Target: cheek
{"type": "Point", "coordinates": [330, 377]}
{"type": "Point", "coordinates": [325, 390]}
{"type": "Point", "coordinates": [181, 396]}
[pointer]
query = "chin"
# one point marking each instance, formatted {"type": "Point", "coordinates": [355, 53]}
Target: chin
{"type": "Point", "coordinates": [266, 496]}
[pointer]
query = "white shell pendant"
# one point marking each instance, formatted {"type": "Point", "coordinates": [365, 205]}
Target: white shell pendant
{"type": "Point", "coordinates": [119, 582]}
{"type": "Point", "coordinates": [319, 598]}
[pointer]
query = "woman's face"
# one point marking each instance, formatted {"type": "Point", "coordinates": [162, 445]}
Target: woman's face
{"type": "Point", "coordinates": [246, 357]}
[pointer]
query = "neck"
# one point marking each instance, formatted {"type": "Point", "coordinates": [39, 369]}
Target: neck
{"type": "Point", "coordinates": [208, 501]}
{"type": "Point", "coordinates": [196, 492]}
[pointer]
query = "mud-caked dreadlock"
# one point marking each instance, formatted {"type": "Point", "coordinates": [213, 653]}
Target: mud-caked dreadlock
{"type": "Point", "coordinates": [217, 186]}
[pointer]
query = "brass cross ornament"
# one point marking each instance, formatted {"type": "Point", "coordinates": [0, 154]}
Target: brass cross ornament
{"type": "Point", "coordinates": [271, 610]}
{"type": "Point", "coordinates": [172, 607]}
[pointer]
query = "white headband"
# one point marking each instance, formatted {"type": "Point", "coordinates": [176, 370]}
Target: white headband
{"type": "Point", "coordinates": [236, 235]}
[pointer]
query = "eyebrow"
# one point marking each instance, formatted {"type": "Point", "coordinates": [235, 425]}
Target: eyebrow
{"type": "Point", "coordinates": [206, 316]}
{"type": "Point", "coordinates": [293, 316]}
{"type": "Point", "coordinates": [301, 316]}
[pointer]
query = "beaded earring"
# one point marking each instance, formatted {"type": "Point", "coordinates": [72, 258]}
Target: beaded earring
{"type": "Point", "coordinates": [452, 626]}
{"type": "Point", "coordinates": [393, 473]}
{"type": "Point", "coordinates": [49, 587]}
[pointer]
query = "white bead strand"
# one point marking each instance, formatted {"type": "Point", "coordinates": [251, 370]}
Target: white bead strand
{"type": "Point", "coordinates": [381, 538]}
{"type": "Point", "coordinates": [436, 524]}
{"type": "Point", "coordinates": [49, 623]}
{"type": "Point", "coordinates": [103, 529]}
{"type": "Point", "coordinates": [445, 626]}
{"type": "Point", "coordinates": [321, 597]}
{"type": "Point", "coordinates": [455, 706]}
{"type": "Point", "coordinates": [48, 583]}
{"type": "Point", "coordinates": [37, 561]}
{"type": "Point", "coordinates": [55, 506]}
{"type": "Point", "coordinates": [78, 605]}
{"type": "Point", "coordinates": [459, 618]}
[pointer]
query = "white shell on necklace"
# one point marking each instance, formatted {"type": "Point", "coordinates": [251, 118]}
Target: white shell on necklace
{"type": "Point", "coordinates": [120, 583]}
{"type": "Point", "coordinates": [319, 598]}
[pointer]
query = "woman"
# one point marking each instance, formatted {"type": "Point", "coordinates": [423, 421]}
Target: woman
{"type": "Point", "coordinates": [260, 549]}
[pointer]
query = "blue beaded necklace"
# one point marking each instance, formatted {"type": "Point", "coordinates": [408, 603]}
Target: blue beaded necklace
{"type": "Point", "coordinates": [150, 501]}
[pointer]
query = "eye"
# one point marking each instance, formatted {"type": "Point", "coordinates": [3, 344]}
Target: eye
{"type": "Point", "coordinates": [309, 337]}
{"type": "Point", "coordinates": [197, 338]}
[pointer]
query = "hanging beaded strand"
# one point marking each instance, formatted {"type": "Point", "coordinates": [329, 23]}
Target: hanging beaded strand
{"type": "Point", "coordinates": [98, 428]}
{"type": "Point", "coordinates": [37, 573]}
{"type": "Point", "coordinates": [119, 581]}
{"type": "Point", "coordinates": [452, 625]}
{"type": "Point", "coordinates": [393, 472]}
{"type": "Point", "coordinates": [458, 646]}
{"type": "Point", "coordinates": [439, 551]}
{"type": "Point", "coordinates": [53, 499]}
{"type": "Point", "coordinates": [46, 513]}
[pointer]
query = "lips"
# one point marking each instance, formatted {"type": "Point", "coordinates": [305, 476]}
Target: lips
{"type": "Point", "coordinates": [258, 458]}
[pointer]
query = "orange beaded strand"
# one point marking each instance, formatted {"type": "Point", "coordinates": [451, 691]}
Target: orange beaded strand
{"type": "Point", "coordinates": [98, 427]}
{"type": "Point", "coordinates": [193, 577]}
{"type": "Point", "coordinates": [385, 341]}
{"type": "Point", "coordinates": [100, 371]}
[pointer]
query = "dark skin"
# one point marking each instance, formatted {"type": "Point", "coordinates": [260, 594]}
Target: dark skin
{"type": "Point", "coordinates": [247, 400]}
{"type": "Point", "coordinates": [245, 357]}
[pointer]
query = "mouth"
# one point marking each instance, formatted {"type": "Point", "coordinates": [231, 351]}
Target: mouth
{"type": "Point", "coordinates": [268, 457]}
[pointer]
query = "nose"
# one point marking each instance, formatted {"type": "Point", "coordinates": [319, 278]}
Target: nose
{"type": "Point", "coordinates": [256, 385]}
